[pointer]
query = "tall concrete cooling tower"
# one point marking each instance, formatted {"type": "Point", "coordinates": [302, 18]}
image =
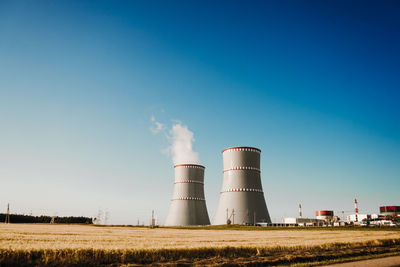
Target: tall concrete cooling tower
{"type": "Point", "coordinates": [242, 199]}
{"type": "Point", "coordinates": [188, 205]}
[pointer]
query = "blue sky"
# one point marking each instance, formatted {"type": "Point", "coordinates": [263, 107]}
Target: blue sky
{"type": "Point", "coordinates": [314, 84]}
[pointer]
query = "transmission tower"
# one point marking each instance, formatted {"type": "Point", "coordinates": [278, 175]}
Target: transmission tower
{"type": "Point", "coordinates": [99, 217]}
{"type": "Point", "coordinates": [106, 217]}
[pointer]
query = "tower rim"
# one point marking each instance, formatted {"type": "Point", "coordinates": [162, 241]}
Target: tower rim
{"type": "Point", "coordinates": [234, 147]}
{"type": "Point", "coordinates": [189, 165]}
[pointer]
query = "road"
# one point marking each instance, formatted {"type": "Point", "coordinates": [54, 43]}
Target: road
{"type": "Point", "coordinates": [382, 262]}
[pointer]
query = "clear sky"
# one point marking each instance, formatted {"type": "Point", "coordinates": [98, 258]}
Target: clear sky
{"type": "Point", "coordinates": [313, 84]}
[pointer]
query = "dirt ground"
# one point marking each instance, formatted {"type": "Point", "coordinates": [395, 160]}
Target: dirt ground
{"type": "Point", "coordinates": [382, 262]}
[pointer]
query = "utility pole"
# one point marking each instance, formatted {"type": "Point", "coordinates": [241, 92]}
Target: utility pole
{"type": "Point", "coordinates": [255, 218]}
{"type": "Point", "coordinates": [227, 216]}
{"type": "Point", "coordinates": [8, 214]}
{"type": "Point", "coordinates": [233, 216]}
{"type": "Point", "coordinates": [300, 213]}
{"type": "Point", "coordinates": [153, 222]}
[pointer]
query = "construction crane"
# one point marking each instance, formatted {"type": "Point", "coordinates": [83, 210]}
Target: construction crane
{"type": "Point", "coordinates": [343, 212]}
{"type": "Point", "coordinates": [348, 211]}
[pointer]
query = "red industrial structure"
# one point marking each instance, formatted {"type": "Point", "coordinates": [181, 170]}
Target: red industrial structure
{"type": "Point", "coordinates": [324, 213]}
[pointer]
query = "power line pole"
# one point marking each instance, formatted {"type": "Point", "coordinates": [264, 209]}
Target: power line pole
{"type": "Point", "coordinates": [8, 214]}
{"type": "Point", "coordinates": [300, 212]}
{"type": "Point", "coordinates": [153, 221]}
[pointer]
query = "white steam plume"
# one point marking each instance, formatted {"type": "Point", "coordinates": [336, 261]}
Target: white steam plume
{"type": "Point", "coordinates": [157, 126]}
{"type": "Point", "coordinates": [181, 141]}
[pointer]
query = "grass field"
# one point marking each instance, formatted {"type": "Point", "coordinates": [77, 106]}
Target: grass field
{"type": "Point", "coordinates": [43, 244]}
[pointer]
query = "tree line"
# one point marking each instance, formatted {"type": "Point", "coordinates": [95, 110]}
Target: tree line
{"type": "Point", "coordinates": [19, 218]}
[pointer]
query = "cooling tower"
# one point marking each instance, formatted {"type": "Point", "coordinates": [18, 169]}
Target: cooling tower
{"type": "Point", "coordinates": [188, 205]}
{"type": "Point", "coordinates": [241, 199]}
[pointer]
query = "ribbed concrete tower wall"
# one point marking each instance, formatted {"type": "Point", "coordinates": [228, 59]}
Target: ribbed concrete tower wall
{"type": "Point", "coordinates": [241, 198]}
{"type": "Point", "coordinates": [188, 204]}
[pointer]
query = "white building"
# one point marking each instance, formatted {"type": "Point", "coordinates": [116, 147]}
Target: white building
{"type": "Point", "coordinates": [303, 221]}
{"type": "Point", "coordinates": [352, 218]}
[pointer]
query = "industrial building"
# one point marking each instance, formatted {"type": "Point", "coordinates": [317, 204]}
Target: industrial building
{"type": "Point", "coordinates": [325, 215]}
{"type": "Point", "coordinates": [188, 205]}
{"type": "Point", "coordinates": [389, 216]}
{"type": "Point", "coordinates": [390, 210]}
{"type": "Point", "coordinates": [241, 198]}
{"type": "Point", "coordinates": [354, 218]}
{"type": "Point", "coordinates": [303, 222]}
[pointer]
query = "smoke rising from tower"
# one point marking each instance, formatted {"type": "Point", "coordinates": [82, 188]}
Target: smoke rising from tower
{"type": "Point", "coordinates": [180, 140]}
{"type": "Point", "coordinates": [188, 204]}
{"type": "Point", "coordinates": [181, 149]}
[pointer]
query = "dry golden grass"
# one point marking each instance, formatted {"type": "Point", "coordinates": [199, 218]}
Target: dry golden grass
{"type": "Point", "coordinates": [65, 245]}
{"type": "Point", "coordinates": [44, 236]}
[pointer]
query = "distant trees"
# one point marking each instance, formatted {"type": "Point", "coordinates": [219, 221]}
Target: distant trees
{"type": "Point", "coordinates": [19, 218]}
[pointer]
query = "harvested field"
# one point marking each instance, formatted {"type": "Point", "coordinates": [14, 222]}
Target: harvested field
{"type": "Point", "coordinates": [32, 244]}
{"type": "Point", "coordinates": [45, 236]}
